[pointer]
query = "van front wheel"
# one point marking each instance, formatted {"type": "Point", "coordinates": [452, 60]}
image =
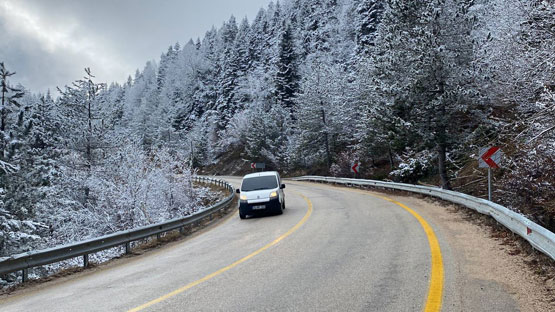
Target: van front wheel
{"type": "Point", "coordinates": [279, 209]}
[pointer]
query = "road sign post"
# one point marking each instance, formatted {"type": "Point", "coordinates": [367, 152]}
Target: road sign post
{"type": "Point", "coordinates": [255, 166]}
{"type": "Point", "coordinates": [490, 157]}
{"type": "Point", "coordinates": [489, 183]}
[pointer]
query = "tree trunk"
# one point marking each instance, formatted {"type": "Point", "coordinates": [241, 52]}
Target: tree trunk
{"type": "Point", "coordinates": [3, 125]}
{"type": "Point", "coordinates": [326, 136]}
{"type": "Point", "coordinates": [89, 134]}
{"type": "Point", "coordinates": [3, 120]}
{"type": "Point", "coordinates": [390, 154]}
{"type": "Point", "coordinates": [442, 156]}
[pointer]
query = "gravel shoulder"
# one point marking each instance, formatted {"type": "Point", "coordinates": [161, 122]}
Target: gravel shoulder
{"type": "Point", "coordinates": [485, 257]}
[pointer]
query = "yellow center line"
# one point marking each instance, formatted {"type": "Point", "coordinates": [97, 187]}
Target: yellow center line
{"type": "Point", "coordinates": [234, 264]}
{"type": "Point", "coordinates": [435, 290]}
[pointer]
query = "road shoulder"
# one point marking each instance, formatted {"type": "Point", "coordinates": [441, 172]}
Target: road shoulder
{"type": "Point", "coordinates": [485, 263]}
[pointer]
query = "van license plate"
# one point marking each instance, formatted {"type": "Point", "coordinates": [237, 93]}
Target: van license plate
{"type": "Point", "coordinates": [258, 207]}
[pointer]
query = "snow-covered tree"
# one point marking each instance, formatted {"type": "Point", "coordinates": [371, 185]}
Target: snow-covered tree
{"type": "Point", "coordinates": [423, 59]}
{"type": "Point", "coordinates": [287, 73]}
{"type": "Point", "coordinates": [141, 101]}
{"type": "Point", "coordinates": [309, 85]}
{"type": "Point", "coordinates": [229, 65]}
{"type": "Point", "coordinates": [367, 19]}
{"type": "Point", "coordinates": [10, 96]}
{"type": "Point", "coordinates": [324, 112]}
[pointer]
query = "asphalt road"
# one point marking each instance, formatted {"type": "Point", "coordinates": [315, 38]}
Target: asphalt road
{"type": "Point", "coordinates": [333, 249]}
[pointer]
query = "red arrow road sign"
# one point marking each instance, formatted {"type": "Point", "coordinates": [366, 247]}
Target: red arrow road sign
{"type": "Point", "coordinates": [253, 165]}
{"type": "Point", "coordinates": [487, 157]}
{"type": "Point", "coordinates": [354, 167]}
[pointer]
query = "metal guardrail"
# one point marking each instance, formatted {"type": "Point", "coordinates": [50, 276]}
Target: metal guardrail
{"type": "Point", "coordinates": [539, 237]}
{"type": "Point", "coordinates": [25, 261]}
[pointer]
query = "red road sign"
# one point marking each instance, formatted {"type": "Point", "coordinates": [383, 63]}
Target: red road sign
{"type": "Point", "coordinates": [490, 157]}
{"type": "Point", "coordinates": [258, 165]}
{"type": "Point", "coordinates": [354, 167]}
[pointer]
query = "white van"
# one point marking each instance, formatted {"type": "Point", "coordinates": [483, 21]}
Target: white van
{"type": "Point", "coordinates": [261, 192]}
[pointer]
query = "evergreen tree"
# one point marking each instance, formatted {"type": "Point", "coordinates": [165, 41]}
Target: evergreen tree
{"type": "Point", "coordinates": [141, 102]}
{"type": "Point", "coordinates": [423, 60]}
{"type": "Point", "coordinates": [241, 53]}
{"type": "Point", "coordinates": [22, 181]}
{"type": "Point", "coordinates": [82, 109]}
{"type": "Point", "coordinates": [167, 61]}
{"type": "Point", "coordinates": [368, 14]}
{"type": "Point", "coordinates": [207, 92]}
{"type": "Point", "coordinates": [256, 40]}
{"type": "Point", "coordinates": [286, 76]}
{"type": "Point", "coordinates": [10, 96]}
{"type": "Point", "coordinates": [324, 112]}
{"type": "Point", "coordinates": [84, 124]}
{"type": "Point", "coordinates": [229, 65]}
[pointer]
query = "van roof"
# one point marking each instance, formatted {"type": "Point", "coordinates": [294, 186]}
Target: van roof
{"type": "Point", "coordinates": [261, 174]}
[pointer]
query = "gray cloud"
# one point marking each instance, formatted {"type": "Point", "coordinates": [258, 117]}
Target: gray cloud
{"type": "Point", "coordinates": [48, 43]}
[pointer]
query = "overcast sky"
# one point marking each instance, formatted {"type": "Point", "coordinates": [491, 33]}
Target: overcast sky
{"type": "Point", "coordinates": [49, 42]}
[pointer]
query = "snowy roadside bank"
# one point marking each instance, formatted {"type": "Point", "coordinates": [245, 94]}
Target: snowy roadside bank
{"type": "Point", "coordinates": [207, 197]}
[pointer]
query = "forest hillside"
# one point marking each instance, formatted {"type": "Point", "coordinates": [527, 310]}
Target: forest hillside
{"type": "Point", "coordinates": [410, 89]}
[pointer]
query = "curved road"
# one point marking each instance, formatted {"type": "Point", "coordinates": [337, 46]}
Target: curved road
{"type": "Point", "coordinates": [333, 249]}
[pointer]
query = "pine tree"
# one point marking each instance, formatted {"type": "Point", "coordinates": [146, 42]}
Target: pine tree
{"type": "Point", "coordinates": [166, 61]}
{"type": "Point", "coordinates": [208, 79]}
{"type": "Point", "coordinates": [368, 14]}
{"type": "Point", "coordinates": [241, 53]}
{"type": "Point", "coordinates": [229, 65]}
{"type": "Point", "coordinates": [422, 60]}
{"type": "Point", "coordinates": [10, 96]}
{"type": "Point", "coordinates": [321, 26]}
{"type": "Point", "coordinates": [286, 77]}
{"type": "Point", "coordinates": [256, 38]}
{"type": "Point", "coordinates": [22, 182]}
{"type": "Point", "coordinates": [141, 102]}
{"type": "Point", "coordinates": [324, 112]}
{"type": "Point", "coordinates": [85, 128]}
{"type": "Point", "coordinates": [82, 104]}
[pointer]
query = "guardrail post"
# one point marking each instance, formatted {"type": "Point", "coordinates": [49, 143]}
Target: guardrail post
{"type": "Point", "coordinates": [85, 260]}
{"type": "Point", "coordinates": [24, 275]}
{"type": "Point", "coordinates": [128, 248]}
{"type": "Point", "coordinates": [182, 230]}
{"type": "Point", "coordinates": [158, 236]}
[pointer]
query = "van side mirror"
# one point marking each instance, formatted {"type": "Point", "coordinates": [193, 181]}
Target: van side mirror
{"type": "Point", "coordinates": [282, 186]}
{"type": "Point", "coordinates": [238, 191]}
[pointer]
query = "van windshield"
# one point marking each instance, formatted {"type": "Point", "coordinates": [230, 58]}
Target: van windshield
{"type": "Point", "coordinates": [259, 183]}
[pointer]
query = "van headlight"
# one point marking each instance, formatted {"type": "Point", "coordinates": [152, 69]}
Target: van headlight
{"type": "Point", "coordinates": [243, 197]}
{"type": "Point", "coordinates": [273, 194]}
